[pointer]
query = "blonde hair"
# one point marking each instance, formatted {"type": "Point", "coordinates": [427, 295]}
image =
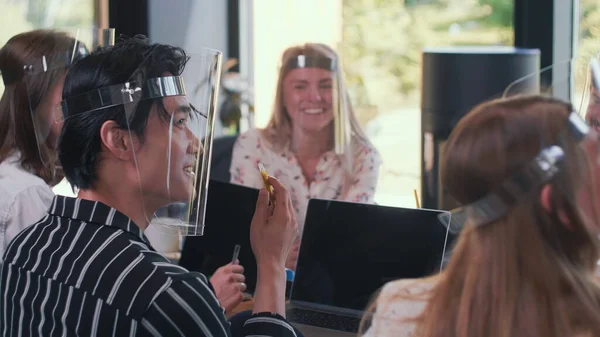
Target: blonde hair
{"type": "Point", "coordinates": [278, 131]}
{"type": "Point", "coordinates": [527, 273]}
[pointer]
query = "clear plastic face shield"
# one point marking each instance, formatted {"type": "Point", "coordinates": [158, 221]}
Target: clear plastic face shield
{"type": "Point", "coordinates": [191, 134]}
{"type": "Point", "coordinates": [44, 77]}
{"type": "Point", "coordinates": [526, 182]}
{"type": "Point", "coordinates": [171, 158]}
{"type": "Point", "coordinates": [589, 90]}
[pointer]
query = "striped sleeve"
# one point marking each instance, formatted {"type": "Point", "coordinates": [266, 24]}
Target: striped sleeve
{"type": "Point", "coordinates": [187, 308]}
{"type": "Point", "coordinates": [267, 324]}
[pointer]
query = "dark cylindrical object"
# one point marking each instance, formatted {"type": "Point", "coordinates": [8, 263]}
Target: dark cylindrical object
{"type": "Point", "coordinates": [454, 80]}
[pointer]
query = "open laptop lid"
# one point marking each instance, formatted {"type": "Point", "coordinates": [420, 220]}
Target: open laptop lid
{"type": "Point", "coordinates": [350, 250]}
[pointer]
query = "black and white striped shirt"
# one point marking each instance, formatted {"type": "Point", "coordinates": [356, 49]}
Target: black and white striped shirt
{"type": "Point", "coordinates": [86, 269]}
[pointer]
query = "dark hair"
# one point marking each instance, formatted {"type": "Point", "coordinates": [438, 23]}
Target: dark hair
{"type": "Point", "coordinates": [17, 130]}
{"type": "Point", "coordinates": [80, 142]}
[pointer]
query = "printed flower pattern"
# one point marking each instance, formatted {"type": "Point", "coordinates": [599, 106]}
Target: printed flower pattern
{"type": "Point", "coordinates": [329, 179]}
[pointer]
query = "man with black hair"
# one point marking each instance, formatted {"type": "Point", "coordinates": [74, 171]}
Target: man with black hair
{"type": "Point", "coordinates": [86, 268]}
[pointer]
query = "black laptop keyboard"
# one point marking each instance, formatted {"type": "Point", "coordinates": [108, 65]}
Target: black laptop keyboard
{"type": "Point", "coordinates": [323, 320]}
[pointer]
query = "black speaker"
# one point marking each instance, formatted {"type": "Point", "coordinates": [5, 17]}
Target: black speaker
{"type": "Point", "coordinates": [455, 80]}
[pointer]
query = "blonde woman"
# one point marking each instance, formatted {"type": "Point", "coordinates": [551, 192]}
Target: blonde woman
{"type": "Point", "coordinates": [527, 171]}
{"type": "Point", "coordinates": [593, 108]}
{"type": "Point", "coordinates": [313, 142]}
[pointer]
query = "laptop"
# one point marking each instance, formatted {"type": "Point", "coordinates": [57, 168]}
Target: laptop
{"type": "Point", "coordinates": [349, 251]}
{"type": "Point", "coordinates": [229, 211]}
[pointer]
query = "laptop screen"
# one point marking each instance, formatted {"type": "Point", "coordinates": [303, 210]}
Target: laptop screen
{"type": "Point", "coordinates": [229, 211]}
{"type": "Point", "coordinates": [350, 250]}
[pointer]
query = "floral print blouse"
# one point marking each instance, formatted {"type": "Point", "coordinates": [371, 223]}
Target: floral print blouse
{"type": "Point", "coordinates": [398, 303]}
{"type": "Point", "coordinates": [329, 179]}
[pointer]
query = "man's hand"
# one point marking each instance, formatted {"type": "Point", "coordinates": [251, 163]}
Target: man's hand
{"type": "Point", "coordinates": [228, 282]}
{"type": "Point", "coordinates": [272, 234]}
{"type": "Point", "coordinates": [274, 228]}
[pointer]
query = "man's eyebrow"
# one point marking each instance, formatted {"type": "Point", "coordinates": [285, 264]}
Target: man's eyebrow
{"type": "Point", "coordinates": [191, 109]}
{"type": "Point", "coordinates": [185, 108]}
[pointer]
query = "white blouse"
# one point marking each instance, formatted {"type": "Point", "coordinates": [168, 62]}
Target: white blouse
{"type": "Point", "coordinates": [24, 199]}
{"type": "Point", "coordinates": [250, 149]}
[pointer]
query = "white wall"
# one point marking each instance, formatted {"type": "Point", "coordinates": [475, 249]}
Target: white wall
{"type": "Point", "coordinates": [189, 24]}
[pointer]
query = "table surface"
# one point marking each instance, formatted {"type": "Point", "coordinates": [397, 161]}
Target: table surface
{"type": "Point", "coordinates": [245, 305]}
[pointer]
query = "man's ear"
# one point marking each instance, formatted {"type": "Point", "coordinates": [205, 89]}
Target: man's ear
{"type": "Point", "coordinates": [546, 202]}
{"type": "Point", "coordinates": [116, 140]}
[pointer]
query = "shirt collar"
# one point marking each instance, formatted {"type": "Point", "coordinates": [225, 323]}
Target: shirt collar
{"type": "Point", "coordinates": [94, 212]}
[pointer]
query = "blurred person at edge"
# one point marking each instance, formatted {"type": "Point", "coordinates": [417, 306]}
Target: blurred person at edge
{"type": "Point", "coordinates": [530, 271]}
{"type": "Point", "coordinates": [28, 170]}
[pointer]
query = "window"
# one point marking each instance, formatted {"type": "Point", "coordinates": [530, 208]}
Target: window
{"type": "Point", "coordinates": [19, 16]}
{"type": "Point", "coordinates": [587, 46]}
{"type": "Point", "coordinates": [381, 50]}
{"type": "Point", "coordinates": [380, 43]}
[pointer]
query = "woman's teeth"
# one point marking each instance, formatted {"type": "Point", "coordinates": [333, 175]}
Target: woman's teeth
{"type": "Point", "coordinates": [189, 170]}
{"type": "Point", "coordinates": [313, 111]}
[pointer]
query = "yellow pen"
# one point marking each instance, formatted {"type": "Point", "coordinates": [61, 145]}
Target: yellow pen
{"type": "Point", "coordinates": [417, 198]}
{"type": "Point", "coordinates": [265, 177]}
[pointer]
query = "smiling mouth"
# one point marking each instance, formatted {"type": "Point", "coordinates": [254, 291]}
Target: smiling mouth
{"type": "Point", "coordinates": [189, 170]}
{"type": "Point", "coordinates": [314, 111]}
